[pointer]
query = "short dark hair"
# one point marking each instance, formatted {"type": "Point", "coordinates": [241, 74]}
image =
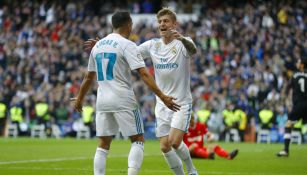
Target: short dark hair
{"type": "Point", "coordinates": [120, 19]}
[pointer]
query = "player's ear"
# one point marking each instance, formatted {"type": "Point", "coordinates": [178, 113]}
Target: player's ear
{"type": "Point", "coordinates": [176, 24]}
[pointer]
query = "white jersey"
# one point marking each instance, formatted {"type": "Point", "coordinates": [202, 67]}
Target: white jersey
{"type": "Point", "coordinates": [113, 58]}
{"type": "Point", "coordinates": [172, 68]}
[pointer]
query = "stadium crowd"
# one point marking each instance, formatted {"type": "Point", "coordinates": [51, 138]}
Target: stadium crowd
{"type": "Point", "coordinates": [246, 53]}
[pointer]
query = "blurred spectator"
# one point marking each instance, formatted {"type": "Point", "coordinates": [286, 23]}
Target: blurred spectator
{"type": "Point", "coordinates": [88, 116]}
{"type": "Point", "coordinates": [42, 115]}
{"type": "Point", "coordinates": [266, 117]}
{"type": "Point", "coordinates": [240, 115]}
{"type": "Point", "coordinates": [17, 114]}
{"type": "Point", "coordinates": [61, 116]}
{"type": "Point", "coordinates": [2, 117]}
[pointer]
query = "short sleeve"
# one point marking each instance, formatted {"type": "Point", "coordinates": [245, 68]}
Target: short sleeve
{"type": "Point", "coordinates": [133, 56]}
{"type": "Point", "coordinates": [144, 49]}
{"type": "Point", "coordinates": [91, 63]}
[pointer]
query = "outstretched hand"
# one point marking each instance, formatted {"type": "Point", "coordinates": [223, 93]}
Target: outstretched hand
{"type": "Point", "coordinates": [90, 43]}
{"type": "Point", "coordinates": [168, 101]}
{"type": "Point", "coordinates": [77, 104]}
{"type": "Point", "coordinates": [175, 34]}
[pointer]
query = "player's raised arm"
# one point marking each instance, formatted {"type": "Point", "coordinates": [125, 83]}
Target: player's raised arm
{"type": "Point", "coordinates": [149, 81]}
{"type": "Point", "coordinates": [90, 43]}
{"type": "Point", "coordinates": [187, 43]}
{"type": "Point", "coordinates": [190, 46]}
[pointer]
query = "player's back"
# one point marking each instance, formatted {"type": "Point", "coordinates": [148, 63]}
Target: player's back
{"type": "Point", "coordinates": [112, 61]}
{"type": "Point", "coordinates": [299, 84]}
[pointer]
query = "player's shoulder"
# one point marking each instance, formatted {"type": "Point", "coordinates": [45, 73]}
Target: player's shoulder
{"type": "Point", "coordinates": [155, 39]}
{"type": "Point", "coordinates": [153, 42]}
{"type": "Point", "coordinates": [201, 125]}
{"type": "Point", "coordinates": [300, 75]}
{"type": "Point", "coordinates": [129, 43]}
{"type": "Point", "coordinates": [123, 40]}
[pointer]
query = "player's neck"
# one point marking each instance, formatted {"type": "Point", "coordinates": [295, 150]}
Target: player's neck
{"type": "Point", "coordinates": [122, 33]}
{"type": "Point", "coordinates": [167, 40]}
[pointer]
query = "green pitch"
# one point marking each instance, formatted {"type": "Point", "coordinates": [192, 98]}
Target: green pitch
{"type": "Point", "coordinates": [25, 156]}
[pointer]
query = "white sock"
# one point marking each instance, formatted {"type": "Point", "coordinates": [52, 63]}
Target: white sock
{"type": "Point", "coordinates": [184, 153]}
{"type": "Point", "coordinates": [135, 158]}
{"type": "Point", "coordinates": [132, 171]}
{"type": "Point", "coordinates": [174, 162]}
{"type": "Point", "coordinates": [100, 161]}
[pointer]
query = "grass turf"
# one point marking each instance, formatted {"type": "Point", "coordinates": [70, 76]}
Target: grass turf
{"type": "Point", "coordinates": [25, 156]}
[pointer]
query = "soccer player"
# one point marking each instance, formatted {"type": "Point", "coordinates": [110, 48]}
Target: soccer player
{"type": "Point", "coordinates": [111, 60]}
{"type": "Point", "coordinates": [194, 140]}
{"type": "Point", "coordinates": [298, 83]}
{"type": "Point", "coordinates": [170, 55]}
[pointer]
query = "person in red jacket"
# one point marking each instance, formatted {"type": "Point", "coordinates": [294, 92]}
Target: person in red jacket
{"type": "Point", "coordinates": [194, 140]}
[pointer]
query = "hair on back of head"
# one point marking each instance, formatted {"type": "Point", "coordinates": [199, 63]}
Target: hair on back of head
{"type": "Point", "coordinates": [120, 19]}
{"type": "Point", "coordinates": [167, 11]}
{"type": "Point", "coordinates": [304, 61]}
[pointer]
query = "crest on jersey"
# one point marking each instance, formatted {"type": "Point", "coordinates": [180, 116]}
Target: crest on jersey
{"type": "Point", "coordinates": [139, 56]}
{"type": "Point", "coordinates": [174, 50]}
{"type": "Point", "coordinates": [157, 46]}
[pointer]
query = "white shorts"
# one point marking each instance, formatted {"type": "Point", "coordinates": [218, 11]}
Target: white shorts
{"type": "Point", "coordinates": [129, 123]}
{"type": "Point", "coordinates": [167, 119]}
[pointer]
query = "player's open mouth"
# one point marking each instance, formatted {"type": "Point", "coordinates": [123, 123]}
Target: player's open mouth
{"type": "Point", "coordinates": [163, 30]}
